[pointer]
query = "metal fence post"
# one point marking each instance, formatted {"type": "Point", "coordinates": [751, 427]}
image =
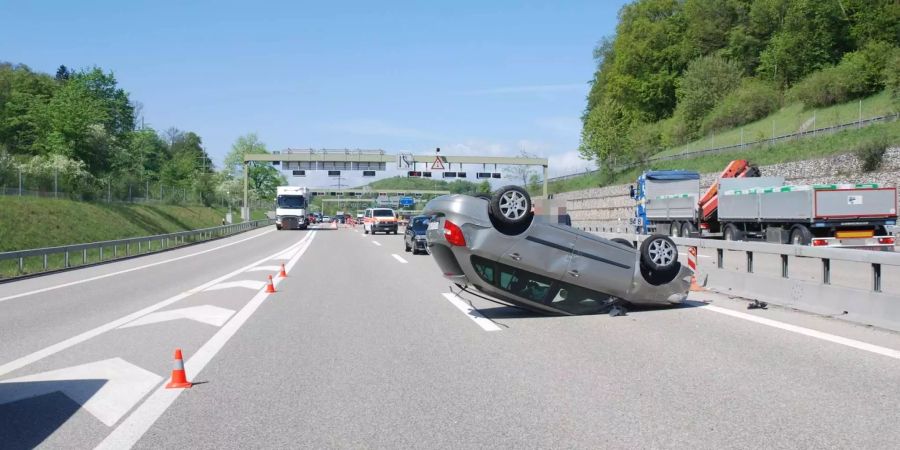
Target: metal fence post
{"type": "Point", "coordinates": [826, 271]}
{"type": "Point", "coordinates": [66, 264]}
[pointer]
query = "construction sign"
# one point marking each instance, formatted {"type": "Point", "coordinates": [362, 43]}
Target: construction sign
{"type": "Point", "coordinates": [438, 164]}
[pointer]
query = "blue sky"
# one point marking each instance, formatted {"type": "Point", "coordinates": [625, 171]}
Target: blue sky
{"type": "Point", "coordinates": [471, 77]}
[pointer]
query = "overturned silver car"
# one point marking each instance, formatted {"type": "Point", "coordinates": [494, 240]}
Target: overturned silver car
{"type": "Point", "coordinates": [501, 248]}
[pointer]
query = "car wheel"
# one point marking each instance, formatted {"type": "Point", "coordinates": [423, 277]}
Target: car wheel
{"type": "Point", "coordinates": [406, 247]}
{"type": "Point", "coordinates": [732, 233]}
{"type": "Point", "coordinates": [657, 278]}
{"type": "Point", "coordinates": [659, 253]}
{"type": "Point", "coordinates": [278, 227]}
{"type": "Point", "coordinates": [675, 229]}
{"type": "Point", "coordinates": [624, 242]}
{"type": "Point", "coordinates": [510, 209]}
{"type": "Point", "coordinates": [365, 230]}
{"type": "Point", "coordinates": [801, 235]}
{"type": "Point", "coordinates": [688, 229]}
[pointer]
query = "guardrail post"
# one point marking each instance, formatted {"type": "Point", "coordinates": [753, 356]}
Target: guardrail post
{"type": "Point", "coordinates": [21, 265]}
{"type": "Point", "coordinates": [83, 256]}
{"type": "Point", "coordinates": [826, 271]}
{"type": "Point", "coordinates": [876, 277]}
{"type": "Point", "coordinates": [67, 259]}
{"type": "Point", "coordinates": [784, 266]}
{"type": "Point", "coordinates": [45, 261]}
{"type": "Point", "coordinates": [139, 247]}
{"type": "Point", "coordinates": [101, 253]}
{"type": "Point", "coordinates": [720, 258]}
{"type": "Point", "coordinates": [749, 262]}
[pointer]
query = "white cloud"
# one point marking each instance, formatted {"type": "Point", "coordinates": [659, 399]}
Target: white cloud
{"type": "Point", "coordinates": [565, 163]}
{"type": "Point", "coordinates": [529, 89]}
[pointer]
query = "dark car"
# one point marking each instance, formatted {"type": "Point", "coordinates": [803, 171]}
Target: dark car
{"type": "Point", "coordinates": [414, 237]}
{"type": "Point", "coordinates": [500, 248]}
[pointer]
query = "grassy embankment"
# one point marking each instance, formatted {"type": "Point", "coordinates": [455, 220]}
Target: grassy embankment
{"type": "Point", "coordinates": [796, 150]}
{"type": "Point", "coordinates": [30, 222]}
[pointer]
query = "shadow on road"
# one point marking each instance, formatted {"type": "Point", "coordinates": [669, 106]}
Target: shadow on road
{"type": "Point", "coordinates": [30, 412]}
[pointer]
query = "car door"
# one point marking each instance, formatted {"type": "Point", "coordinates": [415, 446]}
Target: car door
{"type": "Point", "coordinates": [545, 249]}
{"type": "Point", "coordinates": [600, 265]}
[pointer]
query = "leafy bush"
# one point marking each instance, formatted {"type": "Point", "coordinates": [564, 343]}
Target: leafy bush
{"type": "Point", "coordinates": [859, 74]}
{"type": "Point", "coordinates": [892, 75]}
{"type": "Point", "coordinates": [871, 152]}
{"type": "Point", "coordinates": [752, 101]}
{"type": "Point", "coordinates": [706, 80]}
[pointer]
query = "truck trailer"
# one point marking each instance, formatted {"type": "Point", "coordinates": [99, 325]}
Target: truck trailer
{"type": "Point", "coordinates": [290, 207]}
{"type": "Point", "coordinates": [741, 205]}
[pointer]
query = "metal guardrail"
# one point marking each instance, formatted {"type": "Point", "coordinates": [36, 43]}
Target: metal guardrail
{"type": "Point", "coordinates": [745, 145]}
{"type": "Point", "coordinates": [875, 259]}
{"type": "Point", "coordinates": [121, 248]}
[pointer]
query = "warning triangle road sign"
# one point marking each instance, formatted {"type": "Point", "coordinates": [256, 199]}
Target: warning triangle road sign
{"type": "Point", "coordinates": [438, 164]}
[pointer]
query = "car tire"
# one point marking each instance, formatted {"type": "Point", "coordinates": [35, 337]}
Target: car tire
{"type": "Point", "coordinates": [278, 227]}
{"type": "Point", "coordinates": [659, 253]}
{"type": "Point", "coordinates": [731, 233]}
{"type": "Point", "coordinates": [406, 247]}
{"type": "Point", "coordinates": [800, 235]}
{"type": "Point", "coordinates": [510, 210]}
{"type": "Point", "coordinates": [657, 278]}
{"type": "Point", "coordinates": [624, 242]}
{"type": "Point", "coordinates": [688, 229]}
{"type": "Point", "coordinates": [365, 230]}
{"type": "Point", "coordinates": [675, 229]}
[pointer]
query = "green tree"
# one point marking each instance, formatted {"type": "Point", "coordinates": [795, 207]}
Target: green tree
{"type": "Point", "coordinates": [814, 34]}
{"type": "Point", "coordinates": [706, 80]}
{"type": "Point", "coordinates": [244, 145]}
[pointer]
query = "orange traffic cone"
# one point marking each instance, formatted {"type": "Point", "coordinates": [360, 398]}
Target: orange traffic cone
{"type": "Point", "coordinates": [179, 378]}
{"type": "Point", "coordinates": [270, 288]}
{"type": "Point", "coordinates": [282, 274]}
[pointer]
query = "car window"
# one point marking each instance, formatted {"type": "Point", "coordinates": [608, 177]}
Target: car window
{"type": "Point", "coordinates": [578, 300]}
{"type": "Point", "coordinates": [524, 284]}
{"type": "Point", "coordinates": [420, 224]}
{"type": "Point", "coordinates": [383, 213]}
{"type": "Point", "coordinates": [484, 269]}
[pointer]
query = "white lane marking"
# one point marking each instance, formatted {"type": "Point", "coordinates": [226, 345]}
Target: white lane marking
{"type": "Point", "coordinates": [107, 389]}
{"type": "Point", "coordinates": [472, 313]}
{"type": "Point", "coordinates": [376, 243]}
{"type": "Point", "coordinates": [253, 285]}
{"type": "Point", "coordinates": [208, 314]}
{"type": "Point", "coordinates": [264, 269]}
{"type": "Point", "coordinates": [146, 414]}
{"type": "Point", "coordinates": [853, 343]}
{"type": "Point", "coordinates": [100, 277]}
{"type": "Point", "coordinates": [60, 346]}
{"type": "Point", "coordinates": [398, 258]}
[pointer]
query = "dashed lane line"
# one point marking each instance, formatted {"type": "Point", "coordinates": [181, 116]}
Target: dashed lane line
{"type": "Point", "coordinates": [399, 258]}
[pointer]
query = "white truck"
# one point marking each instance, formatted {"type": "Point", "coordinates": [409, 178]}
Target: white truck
{"type": "Point", "coordinates": [290, 207]}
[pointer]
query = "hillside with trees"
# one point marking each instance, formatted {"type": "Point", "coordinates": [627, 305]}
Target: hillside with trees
{"type": "Point", "coordinates": [79, 135]}
{"type": "Point", "coordinates": [677, 70]}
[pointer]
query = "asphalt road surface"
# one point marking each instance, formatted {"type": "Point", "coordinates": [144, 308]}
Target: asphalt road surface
{"type": "Point", "coordinates": [364, 345]}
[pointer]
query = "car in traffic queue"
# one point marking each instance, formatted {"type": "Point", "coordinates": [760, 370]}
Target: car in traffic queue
{"type": "Point", "coordinates": [414, 239]}
{"type": "Point", "coordinates": [380, 219]}
{"type": "Point", "coordinates": [502, 249]}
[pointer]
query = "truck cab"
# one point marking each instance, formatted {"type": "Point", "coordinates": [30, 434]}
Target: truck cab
{"type": "Point", "coordinates": [290, 207]}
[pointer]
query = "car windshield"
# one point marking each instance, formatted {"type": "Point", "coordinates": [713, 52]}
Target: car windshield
{"type": "Point", "coordinates": [291, 201]}
{"type": "Point", "coordinates": [383, 213]}
{"type": "Point", "coordinates": [420, 224]}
